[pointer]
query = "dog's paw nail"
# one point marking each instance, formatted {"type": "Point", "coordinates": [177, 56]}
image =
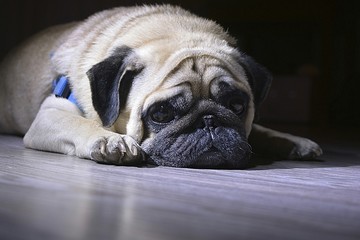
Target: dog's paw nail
{"type": "Point", "coordinates": [134, 150]}
{"type": "Point", "coordinates": [122, 147]}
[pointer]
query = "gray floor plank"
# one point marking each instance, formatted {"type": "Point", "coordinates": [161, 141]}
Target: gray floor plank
{"type": "Point", "coordinates": [52, 196]}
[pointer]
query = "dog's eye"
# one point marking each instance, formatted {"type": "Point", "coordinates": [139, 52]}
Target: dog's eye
{"type": "Point", "coordinates": [161, 114]}
{"type": "Point", "coordinates": [237, 105]}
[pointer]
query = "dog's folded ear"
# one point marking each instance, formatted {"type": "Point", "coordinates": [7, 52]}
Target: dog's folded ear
{"type": "Point", "coordinates": [110, 82]}
{"type": "Point", "coordinates": [258, 76]}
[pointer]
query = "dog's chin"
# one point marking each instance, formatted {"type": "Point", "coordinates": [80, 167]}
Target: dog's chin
{"type": "Point", "coordinates": [209, 159]}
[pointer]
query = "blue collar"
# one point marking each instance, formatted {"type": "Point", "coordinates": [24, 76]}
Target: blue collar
{"type": "Point", "coordinates": [61, 88]}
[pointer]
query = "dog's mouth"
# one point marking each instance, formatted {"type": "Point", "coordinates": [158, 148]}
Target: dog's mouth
{"type": "Point", "coordinates": [209, 159]}
{"type": "Point", "coordinates": [199, 150]}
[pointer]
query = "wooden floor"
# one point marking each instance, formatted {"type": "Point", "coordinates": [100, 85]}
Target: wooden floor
{"type": "Point", "coordinates": [52, 196]}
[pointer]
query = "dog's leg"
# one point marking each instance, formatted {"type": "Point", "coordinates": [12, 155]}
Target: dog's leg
{"type": "Point", "coordinates": [273, 143]}
{"type": "Point", "coordinates": [60, 127]}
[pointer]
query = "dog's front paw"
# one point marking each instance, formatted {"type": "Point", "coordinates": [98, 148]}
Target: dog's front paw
{"type": "Point", "coordinates": [305, 149]}
{"type": "Point", "coordinates": [117, 149]}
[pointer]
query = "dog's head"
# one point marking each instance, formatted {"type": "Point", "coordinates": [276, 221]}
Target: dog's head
{"type": "Point", "coordinates": [188, 103]}
{"type": "Point", "coordinates": [198, 113]}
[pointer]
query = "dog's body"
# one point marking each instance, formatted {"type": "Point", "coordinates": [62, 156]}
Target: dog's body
{"type": "Point", "coordinates": [154, 80]}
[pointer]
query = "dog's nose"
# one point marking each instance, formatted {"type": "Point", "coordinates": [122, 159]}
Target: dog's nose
{"type": "Point", "coordinates": [209, 121]}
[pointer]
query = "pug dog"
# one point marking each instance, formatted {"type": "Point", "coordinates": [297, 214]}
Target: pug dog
{"type": "Point", "coordinates": [153, 84]}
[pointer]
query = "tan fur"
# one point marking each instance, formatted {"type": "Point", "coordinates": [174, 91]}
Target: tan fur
{"type": "Point", "coordinates": [154, 33]}
{"type": "Point", "coordinates": [26, 75]}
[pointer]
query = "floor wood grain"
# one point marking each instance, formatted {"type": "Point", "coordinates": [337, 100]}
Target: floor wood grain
{"type": "Point", "coordinates": [52, 196]}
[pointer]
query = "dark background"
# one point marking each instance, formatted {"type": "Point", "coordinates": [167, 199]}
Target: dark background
{"type": "Point", "coordinates": [312, 47]}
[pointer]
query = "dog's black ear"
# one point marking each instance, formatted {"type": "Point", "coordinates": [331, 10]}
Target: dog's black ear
{"type": "Point", "coordinates": [110, 82]}
{"type": "Point", "coordinates": [259, 78]}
